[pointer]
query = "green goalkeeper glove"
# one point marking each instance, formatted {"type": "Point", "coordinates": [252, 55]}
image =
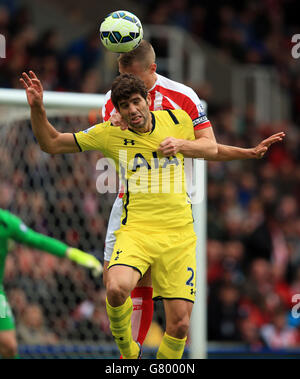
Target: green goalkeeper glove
{"type": "Point", "coordinates": [86, 260]}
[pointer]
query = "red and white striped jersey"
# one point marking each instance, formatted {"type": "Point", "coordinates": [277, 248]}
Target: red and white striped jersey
{"type": "Point", "coordinates": [168, 94]}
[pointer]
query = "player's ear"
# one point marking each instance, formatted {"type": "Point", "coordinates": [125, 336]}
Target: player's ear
{"type": "Point", "coordinates": [153, 67]}
{"type": "Point", "coordinates": [149, 101]}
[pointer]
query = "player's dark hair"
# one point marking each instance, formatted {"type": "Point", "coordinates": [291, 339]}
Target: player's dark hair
{"type": "Point", "coordinates": [126, 85]}
{"type": "Point", "coordinates": [144, 54]}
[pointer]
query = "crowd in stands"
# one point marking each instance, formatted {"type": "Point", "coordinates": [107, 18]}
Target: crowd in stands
{"type": "Point", "coordinates": [253, 247]}
{"type": "Point", "coordinates": [70, 68]}
{"type": "Point", "coordinates": [248, 31]}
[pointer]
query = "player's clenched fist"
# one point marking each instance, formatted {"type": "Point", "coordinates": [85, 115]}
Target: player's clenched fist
{"type": "Point", "coordinates": [170, 146]}
{"type": "Point", "coordinates": [33, 87]}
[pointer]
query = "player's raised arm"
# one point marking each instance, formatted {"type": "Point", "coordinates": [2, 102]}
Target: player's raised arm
{"type": "Point", "coordinates": [49, 139]}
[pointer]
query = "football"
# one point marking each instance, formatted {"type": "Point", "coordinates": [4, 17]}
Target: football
{"type": "Point", "coordinates": [121, 31]}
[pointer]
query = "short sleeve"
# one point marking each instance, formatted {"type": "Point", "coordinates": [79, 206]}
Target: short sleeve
{"type": "Point", "coordinates": [93, 138]}
{"type": "Point", "coordinates": [197, 112]}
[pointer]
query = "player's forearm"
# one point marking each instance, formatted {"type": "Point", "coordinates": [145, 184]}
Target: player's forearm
{"type": "Point", "coordinates": [44, 243]}
{"type": "Point", "coordinates": [199, 148]}
{"type": "Point", "coordinates": [230, 153]}
{"type": "Point", "coordinates": [60, 249]}
{"type": "Point", "coordinates": [44, 132]}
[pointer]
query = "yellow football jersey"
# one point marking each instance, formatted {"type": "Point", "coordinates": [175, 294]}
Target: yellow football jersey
{"type": "Point", "coordinates": [155, 190]}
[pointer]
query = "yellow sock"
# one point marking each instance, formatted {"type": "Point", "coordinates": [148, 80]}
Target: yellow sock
{"type": "Point", "coordinates": [171, 348]}
{"type": "Point", "coordinates": [120, 326]}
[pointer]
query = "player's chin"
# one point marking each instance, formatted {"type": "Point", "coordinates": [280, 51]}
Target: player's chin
{"type": "Point", "coordinates": [137, 125]}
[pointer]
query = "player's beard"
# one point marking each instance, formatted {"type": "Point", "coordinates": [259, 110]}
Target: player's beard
{"type": "Point", "coordinates": [141, 126]}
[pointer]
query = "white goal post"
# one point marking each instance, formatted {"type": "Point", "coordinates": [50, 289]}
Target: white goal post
{"type": "Point", "coordinates": [52, 99]}
{"type": "Point", "coordinates": [86, 102]}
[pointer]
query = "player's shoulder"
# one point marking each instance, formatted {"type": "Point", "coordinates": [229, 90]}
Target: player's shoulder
{"type": "Point", "coordinates": [181, 114]}
{"type": "Point", "coordinates": [105, 129]}
{"type": "Point", "coordinates": [94, 129]}
{"type": "Point", "coordinates": [104, 124]}
{"type": "Point", "coordinates": [178, 116]}
{"type": "Point", "coordinates": [172, 85]}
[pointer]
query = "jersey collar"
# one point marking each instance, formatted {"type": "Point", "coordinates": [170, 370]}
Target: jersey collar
{"type": "Point", "coordinates": [153, 122]}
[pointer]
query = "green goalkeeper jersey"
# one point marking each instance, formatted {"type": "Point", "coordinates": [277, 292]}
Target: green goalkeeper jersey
{"type": "Point", "coordinates": [11, 227]}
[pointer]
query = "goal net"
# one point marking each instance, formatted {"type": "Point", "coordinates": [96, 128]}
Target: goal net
{"type": "Point", "coordinates": [59, 308]}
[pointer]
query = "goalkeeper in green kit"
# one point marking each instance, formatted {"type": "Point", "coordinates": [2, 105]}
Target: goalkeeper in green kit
{"type": "Point", "coordinates": [11, 227]}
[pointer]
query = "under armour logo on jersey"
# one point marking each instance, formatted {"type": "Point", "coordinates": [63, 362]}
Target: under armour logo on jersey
{"type": "Point", "coordinates": [193, 292]}
{"type": "Point", "coordinates": [128, 141]}
{"type": "Point", "coordinates": [118, 254]}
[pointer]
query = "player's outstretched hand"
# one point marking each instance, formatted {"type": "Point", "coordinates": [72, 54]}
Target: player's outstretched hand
{"type": "Point", "coordinates": [33, 87]}
{"type": "Point", "coordinates": [117, 120]}
{"type": "Point", "coordinates": [170, 146]}
{"type": "Point", "coordinates": [96, 267]}
{"type": "Point", "coordinates": [86, 260]}
{"type": "Point", "coordinates": [260, 150]}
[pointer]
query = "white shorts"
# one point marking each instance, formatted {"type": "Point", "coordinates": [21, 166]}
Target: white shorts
{"type": "Point", "coordinates": [114, 224]}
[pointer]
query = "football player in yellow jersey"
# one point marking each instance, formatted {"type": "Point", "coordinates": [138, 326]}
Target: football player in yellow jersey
{"type": "Point", "coordinates": [157, 227]}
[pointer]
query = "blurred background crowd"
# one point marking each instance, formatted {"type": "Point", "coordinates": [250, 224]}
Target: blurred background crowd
{"type": "Point", "coordinates": [253, 247]}
{"type": "Point", "coordinates": [68, 68]}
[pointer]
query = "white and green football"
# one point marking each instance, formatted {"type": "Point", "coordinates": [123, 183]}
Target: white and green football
{"type": "Point", "coordinates": [121, 31]}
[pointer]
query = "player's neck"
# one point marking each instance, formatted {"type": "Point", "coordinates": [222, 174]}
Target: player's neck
{"type": "Point", "coordinates": [152, 80]}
